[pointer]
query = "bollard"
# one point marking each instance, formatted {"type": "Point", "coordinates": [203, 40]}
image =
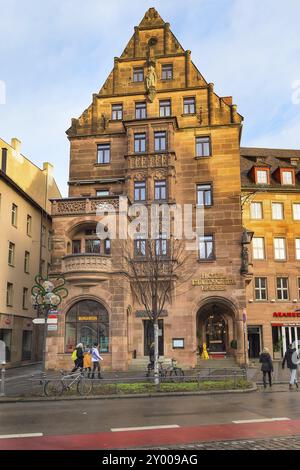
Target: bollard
{"type": "Point", "coordinates": [2, 392]}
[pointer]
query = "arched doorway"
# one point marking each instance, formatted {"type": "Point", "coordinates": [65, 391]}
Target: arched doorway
{"type": "Point", "coordinates": [87, 322]}
{"type": "Point", "coordinates": [215, 327]}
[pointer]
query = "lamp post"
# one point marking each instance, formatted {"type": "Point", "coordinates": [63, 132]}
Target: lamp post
{"type": "Point", "coordinates": [47, 294]}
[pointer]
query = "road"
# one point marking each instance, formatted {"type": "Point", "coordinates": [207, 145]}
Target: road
{"type": "Point", "coordinates": [100, 424]}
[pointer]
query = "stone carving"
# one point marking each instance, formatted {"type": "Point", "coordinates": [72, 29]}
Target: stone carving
{"type": "Point", "coordinates": [151, 81]}
{"type": "Point", "coordinates": [104, 205]}
{"type": "Point", "coordinates": [86, 263]}
{"type": "Point", "coordinates": [104, 121]}
{"type": "Point", "coordinates": [70, 207]}
{"type": "Point", "coordinates": [245, 260]}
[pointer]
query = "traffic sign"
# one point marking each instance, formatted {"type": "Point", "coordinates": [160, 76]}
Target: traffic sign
{"type": "Point", "coordinates": [41, 321]}
{"type": "Point", "coordinates": [2, 353]}
{"type": "Point", "coordinates": [52, 327]}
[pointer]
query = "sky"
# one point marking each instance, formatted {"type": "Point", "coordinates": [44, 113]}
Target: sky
{"type": "Point", "coordinates": [55, 54]}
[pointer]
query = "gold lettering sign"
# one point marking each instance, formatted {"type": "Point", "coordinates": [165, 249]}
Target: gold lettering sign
{"type": "Point", "coordinates": [88, 318]}
{"type": "Point", "coordinates": [213, 281]}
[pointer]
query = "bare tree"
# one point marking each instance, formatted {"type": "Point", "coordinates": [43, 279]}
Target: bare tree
{"type": "Point", "coordinates": [155, 267]}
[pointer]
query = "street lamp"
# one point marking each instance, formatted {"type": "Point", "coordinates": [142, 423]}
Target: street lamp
{"type": "Point", "coordinates": [46, 295]}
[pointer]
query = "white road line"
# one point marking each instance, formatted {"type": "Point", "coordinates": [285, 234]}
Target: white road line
{"type": "Point", "coordinates": [145, 428]}
{"type": "Point", "coordinates": [13, 436]}
{"type": "Point", "coordinates": [265, 420]}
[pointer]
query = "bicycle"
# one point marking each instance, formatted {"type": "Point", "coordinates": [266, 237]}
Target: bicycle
{"type": "Point", "coordinates": [68, 381]}
{"type": "Point", "coordinates": [170, 371]}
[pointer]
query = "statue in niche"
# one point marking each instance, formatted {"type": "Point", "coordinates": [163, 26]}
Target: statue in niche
{"type": "Point", "coordinates": [245, 260]}
{"type": "Point", "coordinates": [104, 121]}
{"type": "Point", "coordinates": [151, 81]}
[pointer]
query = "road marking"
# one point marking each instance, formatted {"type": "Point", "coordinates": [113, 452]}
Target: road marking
{"type": "Point", "coordinates": [145, 428]}
{"type": "Point", "coordinates": [13, 436]}
{"type": "Point", "coordinates": [265, 420]}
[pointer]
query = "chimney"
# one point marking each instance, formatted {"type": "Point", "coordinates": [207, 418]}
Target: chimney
{"type": "Point", "coordinates": [16, 144]}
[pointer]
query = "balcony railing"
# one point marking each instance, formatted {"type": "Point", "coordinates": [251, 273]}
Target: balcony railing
{"type": "Point", "coordinates": [83, 205]}
{"type": "Point", "coordinates": [86, 263]}
{"type": "Point", "coordinates": [151, 160]}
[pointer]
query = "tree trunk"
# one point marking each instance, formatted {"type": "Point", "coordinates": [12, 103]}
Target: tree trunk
{"type": "Point", "coordinates": [156, 371]}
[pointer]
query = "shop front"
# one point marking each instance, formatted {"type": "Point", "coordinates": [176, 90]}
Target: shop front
{"type": "Point", "coordinates": [285, 331]}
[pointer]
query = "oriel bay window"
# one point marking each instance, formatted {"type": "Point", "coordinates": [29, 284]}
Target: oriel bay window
{"type": "Point", "coordinates": [160, 141]}
{"type": "Point", "coordinates": [204, 195]}
{"type": "Point", "coordinates": [140, 142]}
{"type": "Point", "coordinates": [140, 190]}
{"type": "Point", "coordinates": [87, 322]}
{"type": "Point", "coordinates": [160, 190]}
{"type": "Point", "coordinates": [103, 154]}
{"type": "Point", "coordinates": [92, 246]}
{"type": "Point", "coordinates": [206, 248]}
{"type": "Point", "coordinates": [203, 147]}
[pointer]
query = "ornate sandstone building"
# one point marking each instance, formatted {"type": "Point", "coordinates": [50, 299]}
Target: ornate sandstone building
{"type": "Point", "coordinates": [155, 132]}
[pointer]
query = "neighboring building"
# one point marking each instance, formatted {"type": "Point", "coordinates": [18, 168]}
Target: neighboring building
{"type": "Point", "coordinates": [156, 131]}
{"type": "Point", "coordinates": [25, 247]}
{"type": "Point", "coordinates": [271, 210]}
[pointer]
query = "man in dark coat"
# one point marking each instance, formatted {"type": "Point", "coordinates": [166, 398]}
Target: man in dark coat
{"type": "Point", "coordinates": [266, 366]}
{"type": "Point", "coordinates": [291, 359]}
{"type": "Point", "coordinates": [151, 359]}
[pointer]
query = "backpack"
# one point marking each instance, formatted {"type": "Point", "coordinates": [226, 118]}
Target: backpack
{"type": "Point", "coordinates": [74, 355]}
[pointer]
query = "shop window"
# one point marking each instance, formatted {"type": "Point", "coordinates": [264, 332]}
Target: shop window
{"type": "Point", "coordinates": [87, 322]}
{"type": "Point", "coordinates": [5, 335]}
{"type": "Point", "coordinates": [26, 345]}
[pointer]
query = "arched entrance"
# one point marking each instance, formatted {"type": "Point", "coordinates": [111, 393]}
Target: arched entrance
{"type": "Point", "coordinates": [87, 322]}
{"type": "Point", "coordinates": [215, 327]}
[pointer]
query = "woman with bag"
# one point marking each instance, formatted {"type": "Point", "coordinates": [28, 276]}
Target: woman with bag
{"type": "Point", "coordinates": [78, 361]}
{"type": "Point", "coordinates": [266, 366]}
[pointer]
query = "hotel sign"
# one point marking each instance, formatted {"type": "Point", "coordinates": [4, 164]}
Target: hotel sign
{"type": "Point", "coordinates": [286, 314]}
{"type": "Point", "coordinates": [213, 282]}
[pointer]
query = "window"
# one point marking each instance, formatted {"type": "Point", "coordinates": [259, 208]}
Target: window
{"type": "Point", "coordinates": [117, 112]}
{"type": "Point", "coordinates": [204, 195]}
{"type": "Point", "coordinates": [87, 322]}
{"type": "Point", "coordinates": [203, 147]}
{"type": "Point", "coordinates": [103, 153]}
{"type": "Point", "coordinates": [261, 288]}
{"type": "Point", "coordinates": [26, 262]}
{"type": "Point", "coordinates": [43, 235]}
{"type": "Point", "coordinates": [206, 248]}
{"type": "Point", "coordinates": [140, 110]}
{"type": "Point", "coordinates": [161, 245]}
{"type": "Point", "coordinates": [26, 345]}
{"type": "Point", "coordinates": [9, 294]}
{"type": "Point", "coordinates": [11, 253]}
{"type": "Point", "coordinates": [138, 74]}
{"type": "Point", "coordinates": [76, 247]}
{"type": "Point", "coordinates": [160, 190]}
{"type": "Point", "coordinates": [160, 141]}
{"type": "Point", "coordinates": [92, 246]}
{"type": "Point", "coordinates": [189, 105]}
{"type": "Point", "coordinates": [262, 177]}
{"type": "Point", "coordinates": [282, 288]}
{"type": "Point", "coordinates": [279, 249]}
{"type": "Point", "coordinates": [258, 248]}
{"type": "Point", "coordinates": [107, 246]}
{"type": "Point", "coordinates": [14, 214]}
{"type": "Point", "coordinates": [256, 210]}
{"type": "Point", "coordinates": [49, 240]}
{"type": "Point", "coordinates": [277, 211]}
{"type": "Point", "coordinates": [297, 248]}
{"type": "Point", "coordinates": [167, 72]}
{"type": "Point", "coordinates": [165, 108]}
{"type": "Point", "coordinates": [5, 335]}
{"type": "Point", "coordinates": [25, 298]}
{"type": "Point", "coordinates": [140, 190]}
{"type": "Point", "coordinates": [139, 246]}
{"type": "Point", "coordinates": [287, 177]}
{"type": "Point", "coordinates": [139, 143]}
{"type": "Point", "coordinates": [296, 211]}
{"type": "Point", "coordinates": [299, 287]}
{"type": "Point", "coordinates": [102, 192]}
{"type": "Point", "coordinates": [29, 225]}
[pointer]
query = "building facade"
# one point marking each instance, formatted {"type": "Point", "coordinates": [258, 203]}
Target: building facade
{"type": "Point", "coordinates": [157, 133]}
{"type": "Point", "coordinates": [271, 211]}
{"type": "Point", "coordinates": [25, 248]}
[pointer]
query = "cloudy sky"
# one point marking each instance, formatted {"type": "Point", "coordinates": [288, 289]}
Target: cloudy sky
{"type": "Point", "coordinates": [55, 54]}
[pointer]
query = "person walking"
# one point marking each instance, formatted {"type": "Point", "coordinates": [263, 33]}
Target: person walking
{"type": "Point", "coordinates": [151, 359]}
{"type": "Point", "coordinates": [266, 366]}
{"type": "Point", "coordinates": [95, 361]}
{"type": "Point", "coordinates": [78, 357]}
{"type": "Point", "coordinates": [291, 360]}
{"type": "Point", "coordinates": [87, 361]}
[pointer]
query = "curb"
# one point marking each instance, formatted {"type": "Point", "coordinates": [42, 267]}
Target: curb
{"type": "Point", "coordinates": [137, 395]}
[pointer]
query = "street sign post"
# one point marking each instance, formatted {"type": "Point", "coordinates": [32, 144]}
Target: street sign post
{"type": "Point", "coordinates": [41, 321]}
{"type": "Point", "coordinates": [2, 362]}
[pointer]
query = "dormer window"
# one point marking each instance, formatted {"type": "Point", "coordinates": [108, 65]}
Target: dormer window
{"type": "Point", "coordinates": [287, 177]}
{"type": "Point", "coordinates": [262, 176]}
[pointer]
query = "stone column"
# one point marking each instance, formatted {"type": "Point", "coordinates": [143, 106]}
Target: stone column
{"type": "Point", "coordinates": [241, 354]}
{"type": "Point", "coordinates": [167, 39]}
{"type": "Point", "coordinates": [211, 112]}
{"type": "Point", "coordinates": [115, 75]}
{"type": "Point", "coordinates": [187, 68]}
{"type": "Point", "coordinates": [136, 41]}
